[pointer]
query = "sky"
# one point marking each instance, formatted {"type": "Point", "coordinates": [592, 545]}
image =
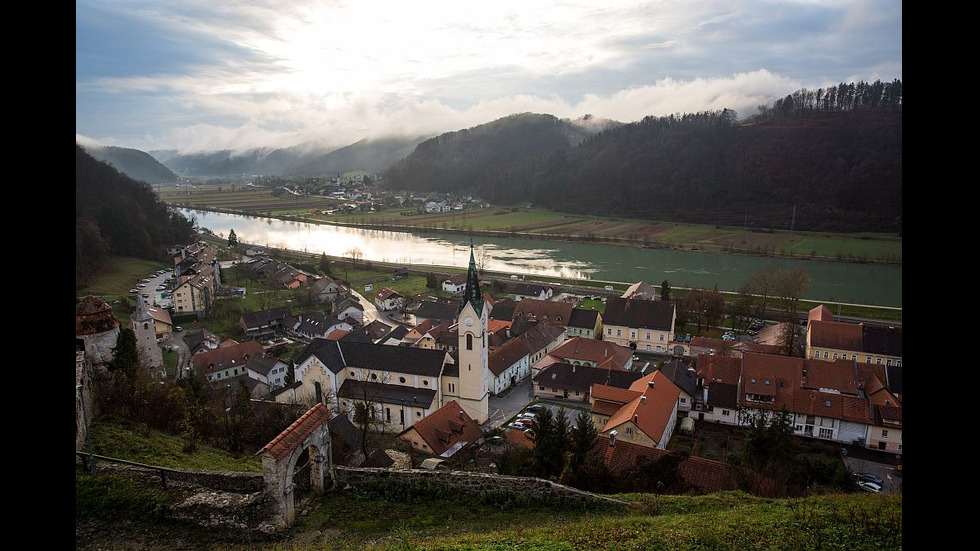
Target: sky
{"type": "Point", "coordinates": [196, 76]}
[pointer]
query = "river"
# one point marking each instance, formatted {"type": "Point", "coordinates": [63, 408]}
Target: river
{"type": "Point", "coordinates": [830, 282]}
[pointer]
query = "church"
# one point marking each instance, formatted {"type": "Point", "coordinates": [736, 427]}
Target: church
{"type": "Point", "coordinates": [401, 385]}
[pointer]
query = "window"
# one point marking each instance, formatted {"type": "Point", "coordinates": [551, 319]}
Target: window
{"type": "Point", "coordinates": [609, 331]}
{"type": "Point", "coordinates": [576, 393]}
{"type": "Point", "coordinates": [619, 333]}
{"type": "Point", "coordinates": [374, 376]}
{"type": "Point", "coordinates": [629, 430]}
{"type": "Point", "coordinates": [419, 414]}
{"type": "Point", "coordinates": [387, 415]}
{"type": "Point", "coordinates": [835, 355]}
{"type": "Point", "coordinates": [401, 380]}
{"type": "Point", "coordinates": [826, 403]}
{"type": "Point", "coordinates": [352, 374]}
{"type": "Point", "coordinates": [469, 341]}
{"type": "Point", "coordinates": [889, 362]}
{"type": "Point", "coordinates": [425, 382]}
{"type": "Point", "coordinates": [878, 361]}
{"type": "Point", "coordinates": [725, 412]}
{"type": "Point", "coordinates": [816, 353]}
{"type": "Point", "coordinates": [661, 337]}
{"type": "Point", "coordinates": [868, 359]}
{"type": "Point", "coordinates": [826, 354]}
{"type": "Point", "coordinates": [826, 433]}
{"type": "Point", "coordinates": [632, 334]}
{"type": "Point", "coordinates": [683, 400]}
{"type": "Point", "coordinates": [884, 433]}
{"type": "Point", "coordinates": [452, 387]}
{"type": "Point", "coordinates": [898, 363]}
{"type": "Point", "coordinates": [541, 388]}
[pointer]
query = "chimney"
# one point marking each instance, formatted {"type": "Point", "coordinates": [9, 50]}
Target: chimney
{"type": "Point", "coordinates": [650, 383]}
{"type": "Point", "coordinates": [612, 437]}
{"type": "Point", "coordinates": [636, 418]}
{"type": "Point", "coordinates": [643, 399]}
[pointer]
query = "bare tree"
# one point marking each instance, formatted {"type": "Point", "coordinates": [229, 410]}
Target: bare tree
{"type": "Point", "coordinates": [365, 406]}
{"type": "Point", "coordinates": [790, 287]}
{"type": "Point", "coordinates": [482, 259]}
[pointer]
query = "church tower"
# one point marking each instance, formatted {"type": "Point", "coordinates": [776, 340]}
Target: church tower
{"type": "Point", "coordinates": [474, 348]}
{"type": "Point", "coordinates": [146, 335]}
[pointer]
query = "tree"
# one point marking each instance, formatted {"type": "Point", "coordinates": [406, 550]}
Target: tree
{"type": "Point", "coordinates": [364, 408]}
{"type": "Point", "coordinates": [482, 259]}
{"type": "Point", "coordinates": [324, 264]}
{"type": "Point", "coordinates": [125, 355]}
{"type": "Point", "coordinates": [770, 447]}
{"type": "Point", "coordinates": [761, 284]}
{"type": "Point", "coordinates": [583, 438]}
{"type": "Point", "coordinates": [790, 339]}
{"type": "Point", "coordinates": [239, 416]}
{"type": "Point", "coordinates": [790, 287]}
{"type": "Point", "coordinates": [664, 290]}
{"type": "Point", "coordinates": [550, 443]}
{"type": "Point", "coordinates": [703, 306]}
{"type": "Point", "coordinates": [232, 239]}
{"type": "Point", "coordinates": [431, 281]}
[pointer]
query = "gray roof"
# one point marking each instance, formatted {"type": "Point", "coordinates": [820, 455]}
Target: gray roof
{"type": "Point", "coordinates": [337, 355]}
{"type": "Point", "coordinates": [641, 314]}
{"type": "Point", "coordinates": [682, 375]}
{"type": "Point", "coordinates": [582, 377]}
{"type": "Point", "coordinates": [386, 393]}
{"type": "Point", "coordinates": [262, 318]}
{"type": "Point", "coordinates": [583, 319]}
{"type": "Point", "coordinates": [436, 310]}
{"type": "Point", "coordinates": [877, 339]}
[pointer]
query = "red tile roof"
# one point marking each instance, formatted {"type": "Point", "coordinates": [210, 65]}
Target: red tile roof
{"type": "Point", "coordinates": [602, 353]}
{"type": "Point", "coordinates": [613, 394]}
{"type": "Point", "coordinates": [839, 375]}
{"type": "Point", "coordinates": [447, 429]}
{"type": "Point", "coordinates": [652, 410]}
{"type": "Point", "coordinates": [297, 433]}
{"type": "Point", "coordinates": [704, 474]}
{"type": "Point", "coordinates": [226, 356]}
{"type": "Point", "coordinates": [820, 313]}
{"type": "Point", "coordinates": [721, 369]}
{"type": "Point", "coordinates": [836, 334]}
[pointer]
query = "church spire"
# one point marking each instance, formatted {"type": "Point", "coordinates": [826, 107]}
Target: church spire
{"type": "Point", "coordinates": [472, 292]}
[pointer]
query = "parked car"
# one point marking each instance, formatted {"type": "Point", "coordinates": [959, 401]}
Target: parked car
{"type": "Point", "coordinates": [525, 422]}
{"type": "Point", "coordinates": [535, 407]}
{"type": "Point", "coordinates": [526, 415]}
{"type": "Point", "coordinates": [869, 477]}
{"type": "Point", "coordinates": [870, 487]}
{"type": "Point", "coordinates": [516, 425]}
{"type": "Point", "coordinates": [178, 328]}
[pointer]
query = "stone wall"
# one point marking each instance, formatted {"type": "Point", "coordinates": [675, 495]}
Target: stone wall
{"type": "Point", "coordinates": [416, 483]}
{"type": "Point", "coordinates": [242, 483]}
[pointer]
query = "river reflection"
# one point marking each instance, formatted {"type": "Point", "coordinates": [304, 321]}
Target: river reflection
{"type": "Point", "coordinates": [830, 281]}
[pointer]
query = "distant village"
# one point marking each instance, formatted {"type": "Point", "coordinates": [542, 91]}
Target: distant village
{"type": "Point", "coordinates": [435, 382]}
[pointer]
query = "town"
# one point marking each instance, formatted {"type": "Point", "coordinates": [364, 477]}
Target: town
{"type": "Point", "coordinates": [464, 381]}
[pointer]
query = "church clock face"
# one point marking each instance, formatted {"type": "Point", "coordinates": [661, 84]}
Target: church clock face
{"type": "Point", "coordinates": [469, 321]}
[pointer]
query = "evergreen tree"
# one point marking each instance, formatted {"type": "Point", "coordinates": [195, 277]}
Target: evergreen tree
{"type": "Point", "coordinates": [232, 239]}
{"type": "Point", "coordinates": [125, 356]}
{"type": "Point", "coordinates": [664, 290]}
{"type": "Point", "coordinates": [583, 439]}
{"type": "Point", "coordinates": [324, 264]}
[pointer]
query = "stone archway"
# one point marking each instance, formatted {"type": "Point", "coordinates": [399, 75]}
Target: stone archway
{"type": "Point", "coordinates": [307, 439]}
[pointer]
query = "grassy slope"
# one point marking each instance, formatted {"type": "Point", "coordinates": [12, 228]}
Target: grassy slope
{"type": "Point", "coordinates": [115, 513]}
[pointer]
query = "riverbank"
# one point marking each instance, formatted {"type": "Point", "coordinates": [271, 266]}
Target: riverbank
{"type": "Point", "coordinates": [529, 223]}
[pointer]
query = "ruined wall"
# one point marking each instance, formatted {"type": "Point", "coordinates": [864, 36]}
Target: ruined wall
{"type": "Point", "coordinates": [488, 487]}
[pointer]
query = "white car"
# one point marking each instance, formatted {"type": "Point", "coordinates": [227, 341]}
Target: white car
{"type": "Point", "coordinates": [869, 487]}
{"type": "Point", "coordinates": [526, 415]}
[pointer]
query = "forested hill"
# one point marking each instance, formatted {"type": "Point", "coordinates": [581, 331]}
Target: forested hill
{"type": "Point", "coordinates": [805, 163]}
{"type": "Point", "coordinates": [116, 215]}
{"type": "Point", "coordinates": [134, 163]}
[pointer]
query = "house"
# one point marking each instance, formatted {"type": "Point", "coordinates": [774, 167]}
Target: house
{"type": "Point", "coordinates": [314, 325]}
{"type": "Point", "coordinates": [198, 278]}
{"type": "Point", "coordinates": [646, 413]}
{"type": "Point", "coordinates": [257, 390]}
{"type": "Point", "coordinates": [327, 289]}
{"type": "Point", "coordinates": [454, 284]}
{"type": "Point", "coordinates": [646, 325]}
{"type": "Point", "coordinates": [829, 340]}
{"type": "Point", "coordinates": [264, 323]}
{"type": "Point", "coordinates": [350, 310]}
{"type": "Point", "coordinates": [584, 323]}
{"type": "Point", "coordinates": [509, 364]}
{"type": "Point", "coordinates": [685, 377]}
{"type": "Point", "coordinates": [426, 334]}
{"type": "Point", "coordinates": [201, 340]}
{"type": "Point", "coordinates": [826, 400]}
{"type": "Point", "coordinates": [716, 398]}
{"type": "Point", "coordinates": [533, 290]}
{"type": "Point", "coordinates": [593, 353]}
{"type": "Point", "coordinates": [534, 310]}
{"type": "Point", "coordinates": [227, 362]}
{"type": "Point", "coordinates": [574, 382]}
{"type": "Point", "coordinates": [388, 299]}
{"type": "Point", "coordinates": [445, 432]}
{"type": "Point", "coordinates": [436, 310]}
{"type": "Point", "coordinates": [163, 326]}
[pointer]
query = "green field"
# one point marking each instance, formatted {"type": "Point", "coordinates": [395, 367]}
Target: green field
{"type": "Point", "coordinates": [863, 247]}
